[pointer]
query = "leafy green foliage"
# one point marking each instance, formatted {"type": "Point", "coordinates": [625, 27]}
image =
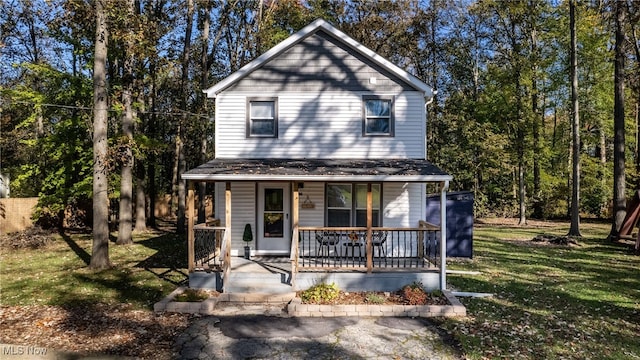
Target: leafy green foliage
{"type": "Point", "coordinates": [487, 59]}
{"type": "Point", "coordinates": [55, 164]}
{"type": "Point", "coordinates": [320, 293]}
{"type": "Point", "coordinates": [247, 235]}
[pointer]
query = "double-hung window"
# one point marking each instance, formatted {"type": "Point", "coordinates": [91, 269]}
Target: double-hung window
{"type": "Point", "coordinates": [262, 117]}
{"type": "Point", "coordinates": [378, 116]}
{"type": "Point", "coordinates": [347, 204]}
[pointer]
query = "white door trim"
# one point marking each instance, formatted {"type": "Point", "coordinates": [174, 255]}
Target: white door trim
{"type": "Point", "coordinates": [271, 245]}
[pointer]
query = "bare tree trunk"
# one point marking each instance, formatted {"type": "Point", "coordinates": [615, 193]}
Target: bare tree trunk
{"type": "Point", "coordinates": [202, 187]}
{"type": "Point", "coordinates": [125, 223]}
{"type": "Point", "coordinates": [140, 224]}
{"type": "Point", "coordinates": [619, 200]}
{"type": "Point", "coordinates": [151, 161]}
{"type": "Point", "coordinates": [574, 230]}
{"type": "Point", "coordinates": [175, 177]}
{"type": "Point", "coordinates": [141, 219]}
{"type": "Point", "coordinates": [635, 40]}
{"type": "Point", "coordinates": [522, 191]}
{"type": "Point", "coordinates": [537, 203]}
{"type": "Point", "coordinates": [180, 156]}
{"type": "Point", "coordinates": [522, 194]}
{"type": "Point", "coordinates": [100, 247]}
{"type": "Point", "coordinates": [603, 163]}
{"type": "Point", "coordinates": [182, 190]}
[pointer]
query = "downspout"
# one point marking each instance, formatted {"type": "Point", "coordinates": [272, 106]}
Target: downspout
{"type": "Point", "coordinates": [444, 186]}
{"type": "Point", "coordinates": [428, 97]}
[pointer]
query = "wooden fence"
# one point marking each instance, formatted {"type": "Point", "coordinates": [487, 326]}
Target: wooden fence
{"type": "Point", "coordinates": [15, 214]}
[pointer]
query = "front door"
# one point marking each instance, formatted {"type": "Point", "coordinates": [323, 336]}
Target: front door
{"type": "Point", "coordinates": [273, 232]}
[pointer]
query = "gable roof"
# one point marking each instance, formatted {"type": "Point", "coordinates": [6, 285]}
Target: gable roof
{"type": "Point", "coordinates": [305, 32]}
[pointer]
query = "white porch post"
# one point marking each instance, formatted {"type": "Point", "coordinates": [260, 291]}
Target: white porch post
{"type": "Point", "coordinates": [227, 235]}
{"type": "Point", "coordinates": [295, 217]}
{"type": "Point", "coordinates": [444, 186]}
{"type": "Point", "coordinates": [369, 244]}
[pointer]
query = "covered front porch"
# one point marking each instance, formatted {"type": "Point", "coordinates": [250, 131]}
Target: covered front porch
{"type": "Point", "coordinates": [369, 257]}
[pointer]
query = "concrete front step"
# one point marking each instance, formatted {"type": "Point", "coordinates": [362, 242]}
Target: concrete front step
{"type": "Point", "coordinates": [271, 283]}
{"type": "Point", "coordinates": [259, 288]}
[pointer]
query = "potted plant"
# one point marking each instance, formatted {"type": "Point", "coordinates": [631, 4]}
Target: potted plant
{"type": "Point", "coordinates": [247, 237]}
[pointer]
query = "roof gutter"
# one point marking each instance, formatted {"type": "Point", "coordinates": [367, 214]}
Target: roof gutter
{"type": "Point", "coordinates": [321, 178]}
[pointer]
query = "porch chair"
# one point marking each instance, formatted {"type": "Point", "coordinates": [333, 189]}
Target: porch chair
{"type": "Point", "coordinates": [328, 239]}
{"type": "Point", "coordinates": [378, 238]}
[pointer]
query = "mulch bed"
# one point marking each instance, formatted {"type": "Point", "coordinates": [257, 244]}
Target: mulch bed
{"type": "Point", "coordinates": [33, 237]}
{"type": "Point", "coordinates": [390, 298]}
{"type": "Point", "coordinates": [93, 329]}
{"type": "Point", "coordinates": [556, 240]}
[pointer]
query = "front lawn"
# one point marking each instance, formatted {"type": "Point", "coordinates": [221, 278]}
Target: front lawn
{"type": "Point", "coordinates": [50, 299]}
{"type": "Point", "coordinates": [57, 274]}
{"type": "Point", "coordinates": [551, 302]}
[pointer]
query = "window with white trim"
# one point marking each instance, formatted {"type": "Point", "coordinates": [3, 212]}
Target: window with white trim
{"type": "Point", "coordinates": [377, 116]}
{"type": "Point", "coordinates": [262, 117]}
{"type": "Point", "coordinates": [343, 209]}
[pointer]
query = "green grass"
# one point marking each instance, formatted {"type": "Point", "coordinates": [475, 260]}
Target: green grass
{"type": "Point", "coordinates": [550, 302]}
{"type": "Point", "coordinates": [143, 273]}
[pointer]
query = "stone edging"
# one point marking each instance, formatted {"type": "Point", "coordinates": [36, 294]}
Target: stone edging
{"type": "Point", "coordinates": [298, 309]}
{"type": "Point", "coordinates": [455, 309]}
{"type": "Point", "coordinates": [200, 307]}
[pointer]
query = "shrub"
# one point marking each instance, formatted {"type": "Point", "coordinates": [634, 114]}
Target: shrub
{"type": "Point", "coordinates": [374, 298]}
{"type": "Point", "coordinates": [192, 295]}
{"type": "Point", "coordinates": [320, 293]}
{"type": "Point", "coordinates": [414, 294]}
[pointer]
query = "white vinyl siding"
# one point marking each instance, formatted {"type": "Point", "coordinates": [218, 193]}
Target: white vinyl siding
{"type": "Point", "coordinates": [320, 63]}
{"type": "Point", "coordinates": [404, 204]}
{"type": "Point", "coordinates": [243, 210]}
{"type": "Point", "coordinates": [320, 125]}
{"type": "Point", "coordinates": [315, 216]}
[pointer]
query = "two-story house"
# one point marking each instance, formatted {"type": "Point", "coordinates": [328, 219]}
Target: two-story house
{"type": "Point", "coordinates": [320, 145]}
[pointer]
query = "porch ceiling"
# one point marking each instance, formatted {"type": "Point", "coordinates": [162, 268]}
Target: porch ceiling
{"type": "Point", "coordinates": [356, 170]}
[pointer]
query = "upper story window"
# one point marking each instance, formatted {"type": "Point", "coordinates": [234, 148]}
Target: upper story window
{"type": "Point", "coordinates": [262, 117]}
{"type": "Point", "coordinates": [378, 116]}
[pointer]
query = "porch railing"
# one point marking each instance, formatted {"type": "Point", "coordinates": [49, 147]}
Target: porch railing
{"type": "Point", "coordinates": [346, 248]}
{"type": "Point", "coordinates": [208, 247]}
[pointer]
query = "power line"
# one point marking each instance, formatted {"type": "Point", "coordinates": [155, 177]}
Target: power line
{"type": "Point", "coordinates": [73, 107]}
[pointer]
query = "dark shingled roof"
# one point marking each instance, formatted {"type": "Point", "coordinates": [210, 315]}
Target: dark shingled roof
{"type": "Point", "coordinates": [402, 170]}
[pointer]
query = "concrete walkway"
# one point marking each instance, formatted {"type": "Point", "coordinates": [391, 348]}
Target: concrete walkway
{"type": "Point", "coordinates": [255, 331]}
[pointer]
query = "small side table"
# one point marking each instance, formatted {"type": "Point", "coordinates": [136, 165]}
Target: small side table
{"type": "Point", "coordinates": [350, 249]}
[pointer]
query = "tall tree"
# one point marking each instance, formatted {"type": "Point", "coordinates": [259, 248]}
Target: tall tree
{"type": "Point", "coordinates": [538, 115]}
{"type": "Point", "coordinates": [100, 249]}
{"type": "Point", "coordinates": [125, 220]}
{"type": "Point", "coordinates": [574, 230]}
{"type": "Point", "coordinates": [205, 18]}
{"type": "Point", "coordinates": [184, 101]}
{"type": "Point", "coordinates": [619, 186]}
